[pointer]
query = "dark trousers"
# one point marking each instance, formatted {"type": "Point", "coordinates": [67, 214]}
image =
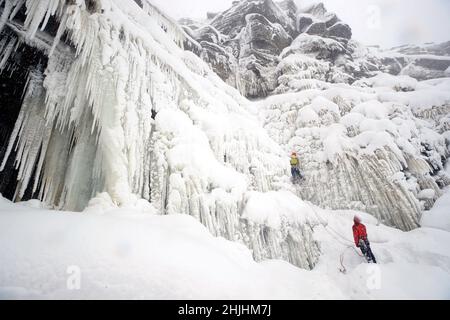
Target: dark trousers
{"type": "Point", "coordinates": [295, 172]}
{"type": "Point", "coordinates": [364, 245]}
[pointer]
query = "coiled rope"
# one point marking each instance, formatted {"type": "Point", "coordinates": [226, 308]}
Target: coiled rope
{"type": "Point", "coordinates": [336, 236]}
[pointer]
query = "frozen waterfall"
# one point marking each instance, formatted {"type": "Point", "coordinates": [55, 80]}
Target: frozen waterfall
{"type": "Point", "coordinates": [120, 109]}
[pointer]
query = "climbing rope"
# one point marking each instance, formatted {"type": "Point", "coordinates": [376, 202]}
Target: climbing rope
{"type": "Point", "coordinates": [347, 246]}
{"type": "Point", "coordinates": [341, 260]}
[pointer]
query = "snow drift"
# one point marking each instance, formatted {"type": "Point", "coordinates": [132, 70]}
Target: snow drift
{"type": "Point", "coordinates": [136, 254]}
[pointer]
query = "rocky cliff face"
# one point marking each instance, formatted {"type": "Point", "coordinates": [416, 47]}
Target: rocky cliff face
{"type": "Point", "coordinates": [250, 45]}
{"type": "Point", "coordinates": [243, 43]}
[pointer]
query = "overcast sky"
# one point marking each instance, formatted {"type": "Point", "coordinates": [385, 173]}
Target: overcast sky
{"type": "Point", "coordinates": [384, 22]}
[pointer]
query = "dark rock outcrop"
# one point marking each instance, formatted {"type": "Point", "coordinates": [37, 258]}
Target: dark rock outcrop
{"type": "Point", "coordinates": [260, 34]}
{"type": "Point", "coordinates": [330, 19]}
{"type": "Point", "coordinates": [317, 28]}
{"type": "Point", "coordinates": [242, 44]}
{"type": "Point", "coordinates": [303, 23]}
{"type": "Point", "coordinates": [340, 30]}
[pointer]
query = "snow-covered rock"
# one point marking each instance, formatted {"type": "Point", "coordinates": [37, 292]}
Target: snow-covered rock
{"type": "Point", "coordinates": [340, 30]}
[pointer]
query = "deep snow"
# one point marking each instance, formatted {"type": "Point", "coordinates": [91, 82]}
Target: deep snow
{"type": "Point", "coordinates": [371, 146]}
{"type": "Point", "coordinates": [438, 216]}
{"type": "Point", "coordinates": [136, 254]}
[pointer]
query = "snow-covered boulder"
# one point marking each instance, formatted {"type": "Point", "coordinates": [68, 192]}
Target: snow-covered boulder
{"type": "Point", "coordinates": [317, 28]}
{"type": "Point", "coordinates": [261, 34]}
{"type": "Point", "coordinates": [340, 30]}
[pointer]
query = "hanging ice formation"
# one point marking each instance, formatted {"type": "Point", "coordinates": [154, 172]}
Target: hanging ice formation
{"type": "Point", "coordinates": [120, 108]}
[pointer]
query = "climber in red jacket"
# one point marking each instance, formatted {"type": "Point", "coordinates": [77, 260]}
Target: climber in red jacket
{"type": "Point", "coordinates": [361, 240]}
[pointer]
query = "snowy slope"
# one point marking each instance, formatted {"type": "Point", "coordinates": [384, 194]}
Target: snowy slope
{"type": "Point", "coordinates": [120, 119]}
{"type": "Point", "coordinates": [378, 146]}
{"type": "Point", "coordinates": [131, 254]}
{"type": "Point", "coordinates": [437, 217]}
{"type": "Point", "coordinates": [134, 255]}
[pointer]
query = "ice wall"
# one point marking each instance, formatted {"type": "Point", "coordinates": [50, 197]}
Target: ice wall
{"type": "Point", "coordinates": [375, 146]}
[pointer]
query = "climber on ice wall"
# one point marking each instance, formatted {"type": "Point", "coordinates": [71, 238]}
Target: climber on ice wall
{"type": "Point", "coordinates": [295, 168]}
{"type": "Point", "coordinates": [361, 239]}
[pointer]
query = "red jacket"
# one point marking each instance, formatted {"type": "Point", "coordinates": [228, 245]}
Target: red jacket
{"type": "Point", "coordinates": [359, 232]}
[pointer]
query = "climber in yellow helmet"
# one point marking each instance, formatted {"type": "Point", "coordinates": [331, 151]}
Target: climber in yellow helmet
{"type": "Point", "coordinates": [295, 168]}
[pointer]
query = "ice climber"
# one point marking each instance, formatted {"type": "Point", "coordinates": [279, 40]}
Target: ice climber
{"type": "Point", "coordinates": [295, 167]}
{"type": "Point", "coordinates": [361, 240]}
